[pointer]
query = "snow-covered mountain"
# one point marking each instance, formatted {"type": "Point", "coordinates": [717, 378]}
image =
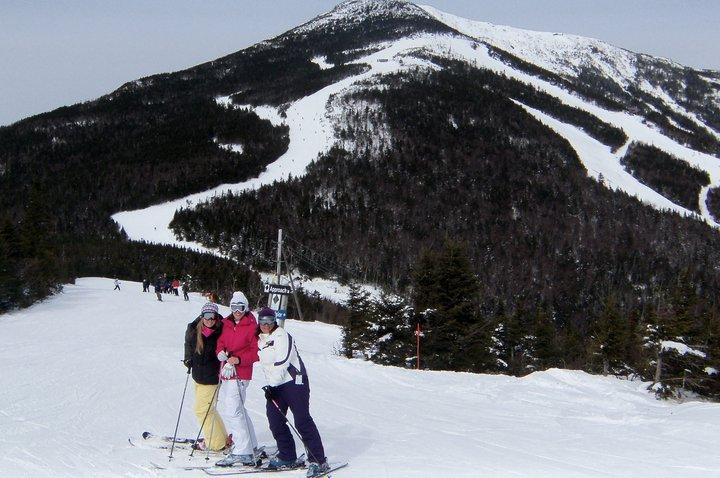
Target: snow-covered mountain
{"type": "Point", "coordinates": [643, 101]}
{"type": "Point", "coordinates": [556, 64]}
{"type": "Point", "coordinates": [573, 170]}
{"type": "Point", "coordinates": [91, 367]}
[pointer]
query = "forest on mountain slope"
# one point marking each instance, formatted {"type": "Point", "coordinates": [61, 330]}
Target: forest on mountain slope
{"type": "Point", "coordinates": [541, 236]}
{"type": "Point", "coordinates": [65, 172]}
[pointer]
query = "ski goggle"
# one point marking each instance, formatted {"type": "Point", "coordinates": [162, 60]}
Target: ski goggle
{"type": "Point", "coordinates": [267, 320]}
{"type": "Point", "coordinates": [238, 307]}
{"type": "Point", "coordinates": [209, 316]}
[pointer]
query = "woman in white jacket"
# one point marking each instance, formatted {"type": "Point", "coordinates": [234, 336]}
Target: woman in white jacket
{"type": "Point", "coordinates": [287, 387]}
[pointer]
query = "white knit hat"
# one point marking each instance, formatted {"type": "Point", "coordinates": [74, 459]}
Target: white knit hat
{"type": "Point", "coordinates": [238, 298]}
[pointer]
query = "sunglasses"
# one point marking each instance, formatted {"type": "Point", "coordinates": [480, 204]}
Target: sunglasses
{"type": "Point", "coordinates": [238, 307]}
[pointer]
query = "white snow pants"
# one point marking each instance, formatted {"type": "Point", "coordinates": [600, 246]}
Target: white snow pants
{"type": "Point", "coordinates": [231, 405]}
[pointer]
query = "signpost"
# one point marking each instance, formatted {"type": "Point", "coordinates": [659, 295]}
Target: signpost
{"type": "Point", "coordinates": [278, 293]}
{"type": "Point", "coordinates": [418, 335]}
{"type": "Point", "coordinates": [277, 289]}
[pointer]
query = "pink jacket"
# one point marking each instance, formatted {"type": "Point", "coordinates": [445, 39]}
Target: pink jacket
{"type": "Point", "coordinates": [239, 340]}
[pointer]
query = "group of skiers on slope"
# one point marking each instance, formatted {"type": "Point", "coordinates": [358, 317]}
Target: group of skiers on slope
{"type": "Point", "coordinates": [166, 286]}
{"type": "Point", "coordinates": [162, 285]}
{"type": "Point", "coordinates": [220, 353]}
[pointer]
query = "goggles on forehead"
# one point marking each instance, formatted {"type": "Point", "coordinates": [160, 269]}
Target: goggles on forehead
{"type": "Point", "coordinates": [238, 307]}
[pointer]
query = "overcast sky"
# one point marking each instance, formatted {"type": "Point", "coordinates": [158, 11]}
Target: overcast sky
{"type": "Point", "coordinates": [59, 52]}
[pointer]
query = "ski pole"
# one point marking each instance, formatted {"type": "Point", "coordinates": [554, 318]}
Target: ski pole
{"type": "Point", "coordinates": [212, 434]}
{"type": "Point", "coordinates": [212, 399]}
{"type": "Point", "coordinates": [307, 450]}
{"type": "Point", "coordinates": [182, 401]}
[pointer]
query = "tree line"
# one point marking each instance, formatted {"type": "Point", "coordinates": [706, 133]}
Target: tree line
{"type": "Point", "coordinates": [671, 340]}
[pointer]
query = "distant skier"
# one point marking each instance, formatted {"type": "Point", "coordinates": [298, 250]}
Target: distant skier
{"type": "Point", "coordinates": [288, 388]}
{"type": "Point", "coordinates": [237, 349]}
{"type": "Point", "coordinates": [158, 288]}
{"type": "Point", "coordinates": [201, 339]}
{"type": "Point", "coordinates": [146, 285]}
{"type": "Point", "coordinates": [185, 289]}
{"type": "Point", "coordinates": [175, 286]}
{"type": "Point", "coordinates": [117, 285]}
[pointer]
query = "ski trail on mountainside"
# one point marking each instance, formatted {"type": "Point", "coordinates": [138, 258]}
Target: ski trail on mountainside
{"type": "Point", "coordinates": [312, 133]}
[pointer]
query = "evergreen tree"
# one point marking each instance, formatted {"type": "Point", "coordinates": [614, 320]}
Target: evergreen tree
{"type": "Point", "coordinates": [501, 347]}
{"type": "Point", "coordinates": [711, 340]}
{"type": "Point", "coordinates": [387, 338]}
{"type": "Point", "coordinates": [10, 285]}
{"type": "Point", "coordinates": [39, 271]}
{"type": "Point", "coordinates": [359, 309]}
{"type": "Point", "coordinates": [544, 343]}
{"type": "Point", "coordinates": [610, 339]}
{"type": "Point", "coordinates": [679, 324]}
{"type": "Point", "coordinates": [676, 340]}
{"type": "Point", "coordinates": [446, 295]}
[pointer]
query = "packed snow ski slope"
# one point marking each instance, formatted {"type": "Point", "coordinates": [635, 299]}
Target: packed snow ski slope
{"type": "Point", "coordinates": [90, 367]}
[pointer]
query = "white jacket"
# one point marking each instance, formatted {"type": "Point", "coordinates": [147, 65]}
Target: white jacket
{"type": "Point", "coordinates": [279, 357]}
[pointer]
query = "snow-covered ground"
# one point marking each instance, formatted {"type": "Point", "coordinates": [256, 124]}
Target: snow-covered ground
{"type": "Point", "coordinates": [87, 369]}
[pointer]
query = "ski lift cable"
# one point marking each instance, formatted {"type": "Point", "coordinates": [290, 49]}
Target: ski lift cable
{"type": "Point", "coordinates": [325, 267]}
{"type": "Point", "coordinates": [325, 259]}
{"type": "Point", "coordinates": [305, 259]}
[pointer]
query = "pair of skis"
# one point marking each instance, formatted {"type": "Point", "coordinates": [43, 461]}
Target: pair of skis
{"type": "Point", "coordinates": [150, 440]}
{"type": "Point", "coordinates": [213, 470]}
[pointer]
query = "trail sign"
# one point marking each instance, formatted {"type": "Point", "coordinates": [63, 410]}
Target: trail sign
{"type": "Point", "coordinates": [278, 289]}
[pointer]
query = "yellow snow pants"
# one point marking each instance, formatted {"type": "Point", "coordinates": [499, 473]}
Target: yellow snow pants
{"type": "Point", "coordinates": [213, 430]}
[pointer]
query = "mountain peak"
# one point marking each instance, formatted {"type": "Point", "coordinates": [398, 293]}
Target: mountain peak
{"type": "Point", "coordinates": [359, 7]}
{"type": "Point", "coordinates": [356, 11]}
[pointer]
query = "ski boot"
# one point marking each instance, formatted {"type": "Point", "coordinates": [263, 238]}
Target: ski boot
{"type": "Point", "coordinates": [278, 464]}
{"type": "Point", "coordinates": [232, 460]}
{"type": "Point", "coordinates": [317, 468]}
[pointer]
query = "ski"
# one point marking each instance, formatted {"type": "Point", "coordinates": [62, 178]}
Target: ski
{"type": "Point", "coordinates": [224, 471]}
{"type": "Point", "coordinates": [180, 466]}
{"type": "Point", "coordinates": [219, 471]}
{"type": "Point", "coordinates": [162, 442]}
{"type": "Point", "coordinates": [333, 467]}
{"type": "Point", "coordinates": [228, 471]}
{"type": "Point", "coordinates": [151, 437]}
{"type": "Point", "coordinates": [168, 445]}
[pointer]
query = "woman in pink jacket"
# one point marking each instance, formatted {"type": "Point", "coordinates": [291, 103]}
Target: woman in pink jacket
{"type": "Point", "coordinates": [237, 350]}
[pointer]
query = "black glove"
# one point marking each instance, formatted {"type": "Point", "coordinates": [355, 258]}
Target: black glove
{"type": "Point", "coordinates": [269, 392]}
{"type": "Point", "coordinates": [188, 364]}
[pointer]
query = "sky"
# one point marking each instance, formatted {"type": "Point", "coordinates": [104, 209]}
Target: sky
{"type": "Point", "coordinates": [60, 52]}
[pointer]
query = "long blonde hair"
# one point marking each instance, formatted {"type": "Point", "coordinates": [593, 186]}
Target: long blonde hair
{"type": "Point", "coordinates": [200, 338]}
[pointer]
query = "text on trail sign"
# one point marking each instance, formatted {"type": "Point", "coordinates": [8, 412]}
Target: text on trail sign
{"type": "Point", "coordinates": [277, 289]}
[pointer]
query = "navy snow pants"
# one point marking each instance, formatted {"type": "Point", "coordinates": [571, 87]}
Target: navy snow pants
{"type": "Point", "coordinates": [297, 399]}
